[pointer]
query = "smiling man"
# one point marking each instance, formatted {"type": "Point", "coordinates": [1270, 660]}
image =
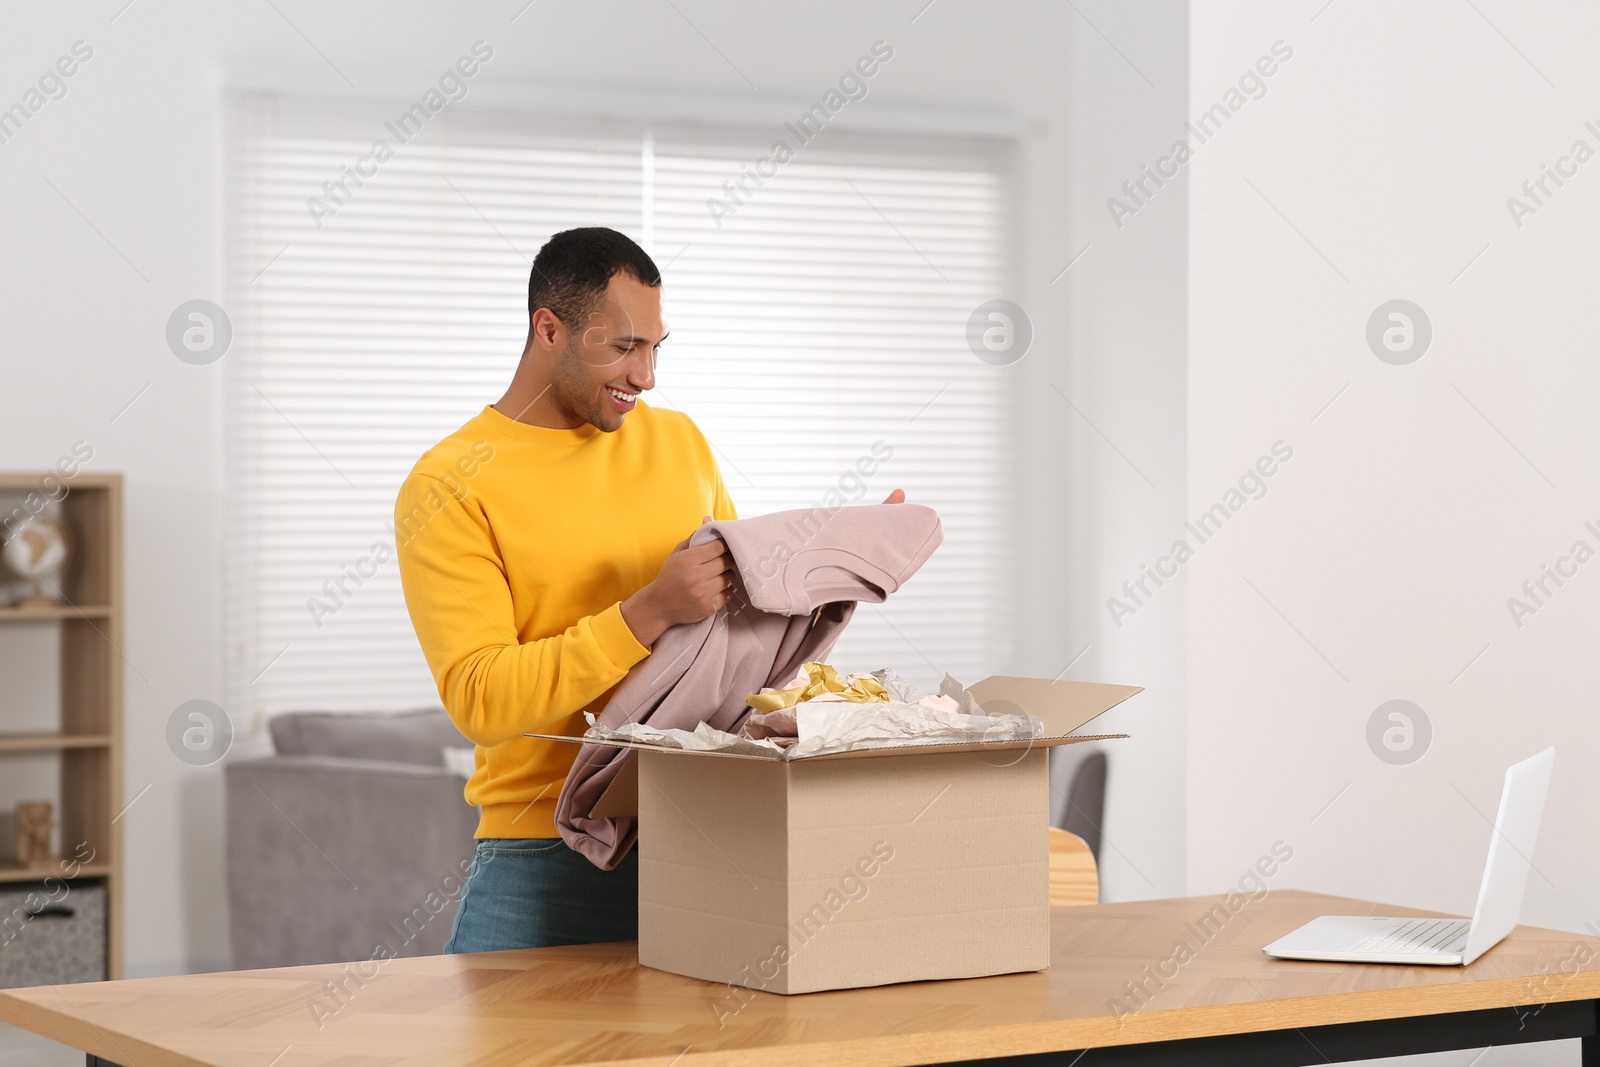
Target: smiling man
{"type": "Point", "coordinates": [543, 549]}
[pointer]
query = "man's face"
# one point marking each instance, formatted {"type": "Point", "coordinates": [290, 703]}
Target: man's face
{"type": "Point", "coordinates": [610, 357]}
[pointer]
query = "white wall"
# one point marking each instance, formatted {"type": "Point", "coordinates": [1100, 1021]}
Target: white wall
{"type": "Point", "coordinates": [1379, 564]}
{"type": "Point", "coordinates": [135, 146]}
{"type": "Point", "coordinates": [1107, 406]}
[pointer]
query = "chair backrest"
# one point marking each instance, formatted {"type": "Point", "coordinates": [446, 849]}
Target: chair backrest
{"type": "Point", "coordinates": [1086, 800]}
{"type": "Point", "coordinates": [1074, 879]}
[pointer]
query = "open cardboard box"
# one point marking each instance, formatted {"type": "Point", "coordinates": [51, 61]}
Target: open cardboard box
{"type": "Point", "coordinates": [889, 864]}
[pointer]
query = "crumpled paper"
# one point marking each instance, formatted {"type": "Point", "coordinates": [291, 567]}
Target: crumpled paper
{"type": "Point", "coordinates": [818, 681]}
{"type": "Point", "coordinates": [702, 738]}
{"type": "Point", "coordinates": [909, 717]}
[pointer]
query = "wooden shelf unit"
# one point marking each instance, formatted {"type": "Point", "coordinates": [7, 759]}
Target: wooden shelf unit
{"type": "Point", "coordinates": [88, 738]}
{"type": "Point", "coordinates": [12, 873]}
{"type": "Point", "coordinates": [80, 611]}
{"type": "Point", "coordinates": [48, 742]}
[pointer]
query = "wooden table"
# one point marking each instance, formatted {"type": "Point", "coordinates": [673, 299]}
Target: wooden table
{"type": "Point", "coordinates": [1225, 1003]}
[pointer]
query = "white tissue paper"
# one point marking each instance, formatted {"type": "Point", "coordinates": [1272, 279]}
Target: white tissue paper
{"type": "Point", "coordinates": [702, 738]}
{"type": "Point", "coordinates": [824, 726]}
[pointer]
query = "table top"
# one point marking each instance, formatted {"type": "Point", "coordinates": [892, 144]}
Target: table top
{"type": "Point", "coordinates": [593, 1004]}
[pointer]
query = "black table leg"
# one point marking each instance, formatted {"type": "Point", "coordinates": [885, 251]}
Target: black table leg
{"type": "Point", "coordinates": [1591, 1052]}
{"type": "Point", "coordinates": [91, 1060]}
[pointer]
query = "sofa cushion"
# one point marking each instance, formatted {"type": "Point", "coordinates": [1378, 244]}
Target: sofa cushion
{"type": "Point", "coordinates": [395, 736]}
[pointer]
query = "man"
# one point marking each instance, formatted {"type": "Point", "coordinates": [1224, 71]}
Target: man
{"type": "Point", "coordinates": [543, 549]}
{"type": "Point", "coordinates": [542, 552]}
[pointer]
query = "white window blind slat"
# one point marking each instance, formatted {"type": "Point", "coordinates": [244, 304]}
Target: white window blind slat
{"type": "Point", "coordinates": [805, 330]}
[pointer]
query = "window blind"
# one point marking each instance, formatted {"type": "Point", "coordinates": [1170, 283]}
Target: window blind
{"type": "Point", "coordinates": [818, 339]}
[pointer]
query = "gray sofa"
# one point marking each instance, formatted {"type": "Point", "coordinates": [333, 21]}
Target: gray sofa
{"type": "Point", "coordinates": [350, 843]}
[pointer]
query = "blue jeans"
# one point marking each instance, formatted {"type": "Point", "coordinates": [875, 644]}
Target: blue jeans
{"type": "Point", "coordinates": [533, 892]}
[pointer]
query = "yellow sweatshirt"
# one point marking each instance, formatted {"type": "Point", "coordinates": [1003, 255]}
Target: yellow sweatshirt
{"type": "Point", "coordinates": [517, 545]}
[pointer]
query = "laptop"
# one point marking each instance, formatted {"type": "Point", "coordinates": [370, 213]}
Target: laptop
{"type": "Point", "coordinates": [1445, 942]}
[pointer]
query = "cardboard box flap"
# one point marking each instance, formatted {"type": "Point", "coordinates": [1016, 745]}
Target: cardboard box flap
{"type": "Point", "coordinates": [1061, 706]}
{"type": "Point", "coordinates": [912, 748]}
{"type": "Point", "coordinates": [621, 797]}
{"type": "Point", "coordinates": [624, 789]}
{"type": "Point", "coordinates": [618, 784]}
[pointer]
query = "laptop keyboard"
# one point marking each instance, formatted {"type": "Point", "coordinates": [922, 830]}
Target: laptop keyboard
{"type": "Point", "coordinates": [1417, 936]}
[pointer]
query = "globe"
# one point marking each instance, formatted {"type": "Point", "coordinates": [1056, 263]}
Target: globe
{"type": "Point", "coordinates": [38, 551]}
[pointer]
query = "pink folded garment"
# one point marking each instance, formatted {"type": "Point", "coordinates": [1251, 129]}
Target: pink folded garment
{"type": "Point", "coordinates": [797, 578]}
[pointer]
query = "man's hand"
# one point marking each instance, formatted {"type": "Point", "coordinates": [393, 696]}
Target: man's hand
{"type": "Point", "coordinates": [693, 583]}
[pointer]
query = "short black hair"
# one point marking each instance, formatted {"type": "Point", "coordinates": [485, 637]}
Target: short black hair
{"type": "Point", "coordinates": [572, 270]}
